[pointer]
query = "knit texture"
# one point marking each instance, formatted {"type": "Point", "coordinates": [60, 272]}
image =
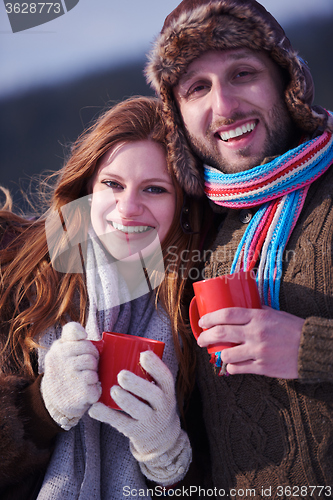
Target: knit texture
{"type": "Point", "coordinates": [267, 432]}
{"type": "Point", "coordinates": [92, 461]}
{"type": "Point", "coordinates": [280, 188]}
{"type": "Point", "coordinates": [70, 384]}
{"type": "Point", "coordinates": [157, 441]}
{"type": "Point", "coordinates": [319, 367]}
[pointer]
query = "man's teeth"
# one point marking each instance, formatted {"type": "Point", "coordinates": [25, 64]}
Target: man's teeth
{"type": "Point", "coordinates": [130, 229]}
{"type": "Point", "coordinates": [231, 134]}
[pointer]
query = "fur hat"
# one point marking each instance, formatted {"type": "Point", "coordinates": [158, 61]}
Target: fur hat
{"type": "Point", "coordinates": [198, 26]}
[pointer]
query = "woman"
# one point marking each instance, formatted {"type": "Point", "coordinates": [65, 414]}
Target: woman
{"type": "Point", "coordinates": [68, 276]}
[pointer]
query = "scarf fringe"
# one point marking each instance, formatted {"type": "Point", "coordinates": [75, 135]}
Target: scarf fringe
{"type": "Point", "coordinates": [280, 188]}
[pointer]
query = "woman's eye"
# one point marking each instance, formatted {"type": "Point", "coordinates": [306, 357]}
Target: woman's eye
{"type": "Point", "coordinates": [112, 184]}
{"type": "Point", "coordinates": [155, 190]}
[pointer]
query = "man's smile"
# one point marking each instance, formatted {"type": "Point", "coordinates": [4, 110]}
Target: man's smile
{"type": "Point", "coordinates": [237, 131]}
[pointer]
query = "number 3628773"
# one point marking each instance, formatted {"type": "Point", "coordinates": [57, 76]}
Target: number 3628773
{"type": "Point", "coordinates": [304, 491]}
{"type": "Point", "coordinates": [33, 8]}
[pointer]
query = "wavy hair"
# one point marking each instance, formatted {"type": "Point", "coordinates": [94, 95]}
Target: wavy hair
{"type": "Point", "coordinates": [34, 296]}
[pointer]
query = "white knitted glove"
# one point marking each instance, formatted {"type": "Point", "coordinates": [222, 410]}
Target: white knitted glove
{"type": "Point", "coordinates": [157, 441]}
{"type": "Point", "coordinates": [70, 382]}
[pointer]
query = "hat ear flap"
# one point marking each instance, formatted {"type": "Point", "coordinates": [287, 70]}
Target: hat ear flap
{"type": "Point", "coordinates": [185, 165]}
{"type": "Point", "coordinates": [299, 97]}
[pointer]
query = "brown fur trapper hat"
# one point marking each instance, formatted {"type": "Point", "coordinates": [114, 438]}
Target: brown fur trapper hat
{"type": "Point", "coordinates": [198, 26]}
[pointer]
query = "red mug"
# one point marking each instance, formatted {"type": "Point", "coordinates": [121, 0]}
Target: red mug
{"type": "Point", "coordinates": [231, 290]}
{"type": "Point", "coordinates": [121, 351]}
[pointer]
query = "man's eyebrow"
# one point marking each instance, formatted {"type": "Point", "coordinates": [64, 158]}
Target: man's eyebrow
{"type": "Point", "coordinates": [187, 76]}
{"type": "Point", "coordinates": [244, 54]}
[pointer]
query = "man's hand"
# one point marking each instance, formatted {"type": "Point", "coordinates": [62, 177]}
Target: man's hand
{"type": "Point", "coordinates": [268, 340]}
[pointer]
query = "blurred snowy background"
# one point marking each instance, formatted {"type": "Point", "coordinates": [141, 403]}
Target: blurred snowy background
{"type": "Point", "coordinates": [57, 76]}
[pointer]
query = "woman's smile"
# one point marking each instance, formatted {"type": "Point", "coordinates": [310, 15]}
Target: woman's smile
{"type": "Point", "coordinates": [130, 229]}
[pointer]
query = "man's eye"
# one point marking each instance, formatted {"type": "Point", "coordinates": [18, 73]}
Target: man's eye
{"type": "Point", "coordinates": [244, 75]}
{"type": "Point", "coordinates": [197, 89]}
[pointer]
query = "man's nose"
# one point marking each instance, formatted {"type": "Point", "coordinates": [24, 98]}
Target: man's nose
{"type": "Point", "coordinates": [129, 204]}
{"type": "Point", "coordinates": [223, 101]}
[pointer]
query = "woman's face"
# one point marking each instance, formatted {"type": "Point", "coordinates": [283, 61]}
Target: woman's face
{"type": "Point", "coordinates": [133, 198]}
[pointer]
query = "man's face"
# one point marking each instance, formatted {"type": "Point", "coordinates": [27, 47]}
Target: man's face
{"type": "Point", "coordinates": [233, 109]}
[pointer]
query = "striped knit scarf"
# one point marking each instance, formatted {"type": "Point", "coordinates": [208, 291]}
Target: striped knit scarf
{"type": "Point", "coordinates": [279, 188]}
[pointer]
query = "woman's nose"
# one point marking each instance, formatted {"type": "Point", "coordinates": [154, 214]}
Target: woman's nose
{"type": "Point", "coordinates": [129, 204]}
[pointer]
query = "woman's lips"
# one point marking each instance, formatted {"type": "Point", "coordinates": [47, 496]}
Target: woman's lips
{"type": "Point", "coordinates": [129, 229]}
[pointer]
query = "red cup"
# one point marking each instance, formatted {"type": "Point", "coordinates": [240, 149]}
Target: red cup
{"type": "Point", "coordinates": [231, 290]}
{"type": "Point", "coordinates": [120, 351]}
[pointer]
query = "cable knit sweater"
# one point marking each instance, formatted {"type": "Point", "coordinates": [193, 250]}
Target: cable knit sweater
{"type": "Point", "coordinates": [267, 434]}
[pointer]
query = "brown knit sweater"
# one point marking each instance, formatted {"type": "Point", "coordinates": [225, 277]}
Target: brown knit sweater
{"type": "Point", "coordinates": [266, 434]}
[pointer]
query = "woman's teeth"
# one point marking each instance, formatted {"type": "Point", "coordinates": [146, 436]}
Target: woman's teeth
{"type": "Point", "coordinates": [130, 229]}
{"type": "Point", "coordinates": [237, 132]}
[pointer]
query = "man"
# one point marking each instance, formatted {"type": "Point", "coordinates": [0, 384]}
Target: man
{"type": "Point", "coordinates": [234, 90]}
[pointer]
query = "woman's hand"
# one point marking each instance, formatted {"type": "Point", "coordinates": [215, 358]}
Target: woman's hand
{"type": "Point", "coordinates": [156, 438]}
{"type": "Point", "coordinates": [70, 383]}
{"type": "Point", "coordinates": [268, 340]}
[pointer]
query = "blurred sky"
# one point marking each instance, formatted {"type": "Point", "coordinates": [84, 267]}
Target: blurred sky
{"type": "Point", "coordinates": [99, 33]}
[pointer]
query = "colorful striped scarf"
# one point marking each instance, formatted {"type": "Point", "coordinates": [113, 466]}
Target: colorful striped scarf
{"type": "Point", "coordinates": [279, 188]}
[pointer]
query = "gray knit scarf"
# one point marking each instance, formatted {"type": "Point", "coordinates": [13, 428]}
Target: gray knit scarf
{"type": "Point", "coordinates": [92, 461]}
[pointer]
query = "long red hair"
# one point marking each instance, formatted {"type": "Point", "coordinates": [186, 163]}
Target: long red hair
{"type": "Point", "coordinates": [34, 296]}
